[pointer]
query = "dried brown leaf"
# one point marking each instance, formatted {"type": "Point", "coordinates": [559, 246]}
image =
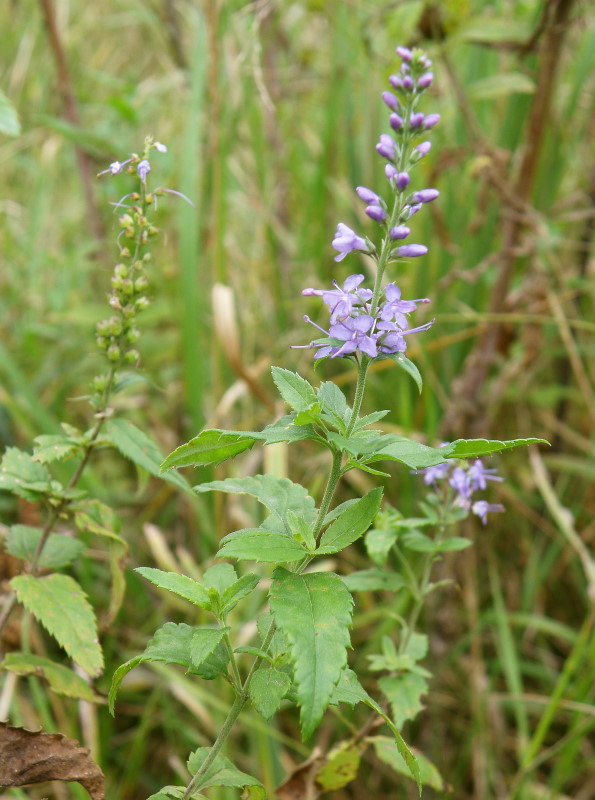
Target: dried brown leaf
{"type": "Point", "coordinates": [34, 757]}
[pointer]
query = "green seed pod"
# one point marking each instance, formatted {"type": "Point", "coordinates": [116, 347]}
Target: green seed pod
{"type": "Point", "coordinates": [113, 352]}
{"type": "Point", "coordinates": [121, 270]}
{"type": "Point", "coordinates": [142, 303]}
{"type": "Point", "coordinates": [140, 284]}
{"type": "Point", "coordinates": [132, 357]}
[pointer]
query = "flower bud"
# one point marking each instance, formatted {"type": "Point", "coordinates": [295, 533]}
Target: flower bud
{"type": "Point", "coordinates": [425, 80]}
{"type": "Point", "coordinates": [422, 150]}
{"type": "Point", "coordinates": [390, 100]}
{"type": "Point", "coordinates": [127, 286]}
{"type": "Point", "coordinates": [396, 81]}
{"type": "Point", "coordinates": [113, 353]}
{"type": "Point", "coordinates": [117, 283]}
{"type": "Point", "coordinates": [131, 357]}
{"type": "Point", "coordinates": [412, 210]}
{"type": "Point", "coordinates": [416, 120]}
{"type": "Point", "coordinates": [399, 232]}
{"type": "Point", "coordinates": [396, 122]}
{"type": "Point", "coordinates": [367, 195]}
{"type": "Point", "coordinates": [142, 303]}
{"type": "Point", "coordinates": [146, 257]}
{"type": "Point", "coordinates": [402, 180]}
{"type": "Point", "coordinates": [152, 230]}
{"type": "Point", "coordinates": [132, 335]}
{"type": "Point", "coordinates": [129, 232]}
{"type": "Point", "coordinates": [407, 83]}
{"type": "Point", "coordinates": [125, 221]}
{"type": "Point", "coordinates": [99, 383]}
{"type": "Point", "coordinates": [390, 171]}
{"type": "Point", "coordinates": [103, 328]}
{"type": "Point", "coordinates": [125, 252]}
{"type": "Point", "coordinates": [140, 284]}
{"type": "Point", "coordinates": [425, 195]}
{"type": "Point", "coordinates": [376, 213]}
{"type": "Point", "coordinates": [102, 342]}
{"type": "Point", "coordinates": [412, 250]}
{"type": "Point", "coordinates": [115, 303]}
{"type": "Point", "coordinates": [431, 120]}
{"type": "Point", "coordinates": [386, 146]}
{"type": "Point", "coordinates": [404, 53]}
{"type": "Point", "coordinates": [129, 310]}
{"type": "Point", "coordinates": [121, 270]}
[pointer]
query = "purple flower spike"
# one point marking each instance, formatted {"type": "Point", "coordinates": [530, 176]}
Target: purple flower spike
{"type": "Point", "coordinates": [430, 121]}
{"type": "Point", "coordinates": [390, 100]}
{"type": "Point", "coordinates": [479, 475]}
{"type": "Point", "coordinates": [353, 331]}
{"type": "Point", "coordinates": [376, 213]}
{"type": "Point", "coordinates": [399, 232]}
{"type": "Point", "coordinates": [367, 195]}
{"type": "Point", "coordinates": [425, 80]}
{"type": "Point", "coordinates": [422, 149]}
{"type": "Point", "coordinates": [396, 122]}
{"type": "Point", "coordinates": [433, 474]}
{"type": "Point", "coordinates": [481, 508]}
{"type": "Point", "coordinates": [416, 120]}
{"type": "Point", "coordinates": [402, 180]}
{"type": "Point", "coordinates": [404, 53]}
{"type": "Point", "coordinates": [346, 241]}
{"type": "Point", "coordinates": [425, 195]}
{"type": "Point", "coordinates": [412, 250]}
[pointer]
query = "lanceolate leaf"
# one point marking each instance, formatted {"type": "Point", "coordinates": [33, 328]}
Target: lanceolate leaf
{"type": "Point", "coordinates": [475, 448]}
{"type": "Point", "coordinates": [237, 591]}
{"type": "Point", "coordinates": [259, 544]}
{"type": "Point", "coordinates": [295, 390]}
{"type": "Point", "coordinates": [142, 451]}
{"type": "Point", "coordinates": [387, 750]}
{"type": "Point", "coordinates": [61, 679]}
{"type": "Point", "coordinates": [60, 605]}
{"type": "Point", "coordinates": [279, 495]}
{"type": "Point", "coordinates": [314, 612]}
{"type": "Point", "coordinates": [209, 447]}
{"type": "Point", "coordinates": [181, 585]}
{"type": "Point", "coordinates": [352, 523]}
{"type": "Point", "coordinates": [409, 367]}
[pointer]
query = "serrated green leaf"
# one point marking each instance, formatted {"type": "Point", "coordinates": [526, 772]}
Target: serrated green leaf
{"type": "Point", "coordinates": [61, 679]}
{"type": "Point", "coordinates": [413, 454]}
{"type": "Point", "coordinates": [253, 651]}
{"type": "Point", "coordinates": [23, 476]}
{"type": "Point", "coordinates": [475, 448]}
{"type": "Point", "coordinates": [237, 591]}
{"type": "Point", "coordinates": [53, 447]}
{"type": "Point", "coordinates": [334, 403]}
{"type": "Point", "coordinates": [387, 750]}
{"type": "Point", "coordinates": [172, 644]}
{"type": "Point", "coordinates": [210, 447]}
{"type": "Point", "coordinates": [314, 612]}
{"type": "Point", "coordinates": [352, 523]}
{"type": "Point", "coordinates": [135, 445]}
{"type": "Point", "coordinates": [336, 512]}
{"type": "Point", "coordinates": [260, 544]}
{"type": "Point", "coordinates": [181, 585]}
{"type": "Point", "coordinates": [9, 119]}
{"type": "Point", "coordinates": [169, 792]}
{"type": "Point", "coordinates": [60, 605]}
{"type": "Point", "coordinates": [203, 643]}
{"type": "Point", "coordinates": [295, 390]}
{"type": "Point", "coordinates": [369, 419]}
{"type": "Point", "coordinates": [409, 367]}
{"type": "Point", "coordinates": [308, 415]}
{"type": "Point", "coordinates": [300, 530]}
{"type": "Point", "coordinates": [267, 689]}
{"type": "Point", "coordinates": [349, 690]}
{"type": "Point", "coordinates": [59, 550]}
{"type": "Point", "coordinates": [278, 495]}
{"type": "Point", "coordinates": [504, 83]}
{"type": "Point", "coordinates": [417, 646]}
{"type": "Point", "coordinates": [404, 692]}
{"type": "Point", "coordinates": [223, 773]}
{"type": "Point", "coordinates": [373, 580]}
{"type": "Point", "coordinates": [220, 577]}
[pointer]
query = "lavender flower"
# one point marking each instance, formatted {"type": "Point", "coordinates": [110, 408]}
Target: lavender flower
{"type": "Point", "coordinates": [411, 251]}
{"type": "Point", "coordinates": [425, 195]}
{"type": "Point", "coordinates": [399, 232]}
{"type": "Point", "coordinates": [479, 475]}
{"type": "Point", "coordinates": [342, 302]}
{"type": "Point", "coordinates": [481, 508]}
{"type": "Point", "coordinates": [346, 241]}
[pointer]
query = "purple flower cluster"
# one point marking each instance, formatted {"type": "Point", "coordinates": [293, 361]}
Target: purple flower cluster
{"type": "Point", "coordinates": [357, 328]}
{"type": "Point", "coordinates": [465, 480]}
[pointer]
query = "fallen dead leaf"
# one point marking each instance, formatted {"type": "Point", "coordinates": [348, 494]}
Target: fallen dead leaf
{"type": "Point", "coordinates": [34, 757]}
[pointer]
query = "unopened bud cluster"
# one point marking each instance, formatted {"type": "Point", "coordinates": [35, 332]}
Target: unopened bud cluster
{"type": "Point", "coordinates": [117, 335]}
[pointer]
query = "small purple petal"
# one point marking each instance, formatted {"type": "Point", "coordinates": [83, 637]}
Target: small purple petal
{"type": "Point", "coordinates": [143, 169]}
{"type": "Point", "coordinates": [423, 149]}
{"type": "Point", "coordinates": [404, 53]}
{"type": "Point", "coordinates": [416, 120]}
{"type": "Point", "coordinates": [402, 180]}
{"type": "Point", "coordinates": [367, 195]}
{"type": "Point", "coordinates": [412, 210]}
{"type": "Point", "coordinates": [396, 81]}
{"type": "Point", "coordinates": [396, 122]}
{"type": "Point", "coordinates": [390, 171]}
{"type": "Point", "coordinates": [407, 83]}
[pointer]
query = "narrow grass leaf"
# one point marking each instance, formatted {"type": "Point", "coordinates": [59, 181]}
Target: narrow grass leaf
{"type": "Point", "coordinates": [60, 605]}
{"type": "Point", "coordinates": [314, 612]}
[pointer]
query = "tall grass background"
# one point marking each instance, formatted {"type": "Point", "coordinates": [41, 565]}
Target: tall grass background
{"type": "Point", "coordinates": [271, 111]}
